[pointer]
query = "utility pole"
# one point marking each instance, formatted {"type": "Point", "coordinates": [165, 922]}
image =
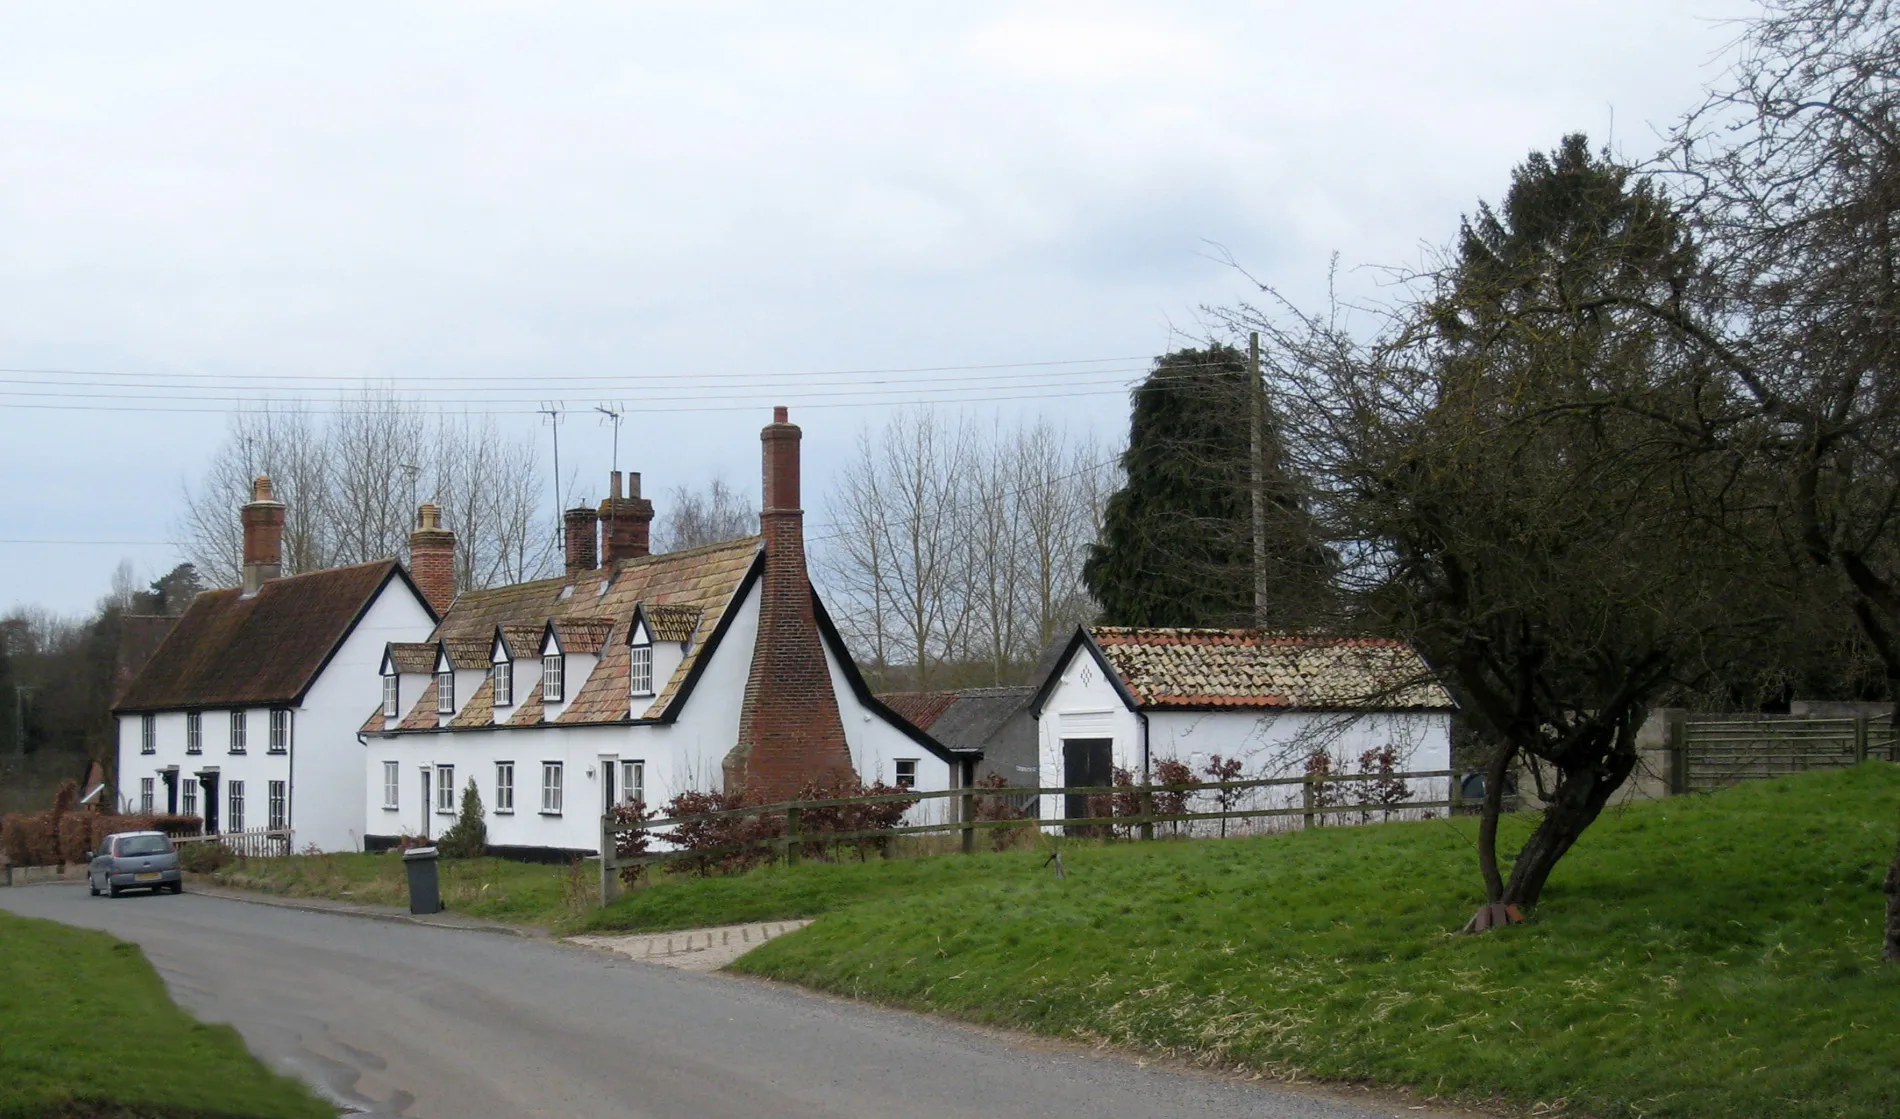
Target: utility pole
{"type": "Point", "coordinates": [1257, 390]}
{"type": "Point", "coordinates": [552, 410]}
{"type": "Point", "coordinates": [613, 415]}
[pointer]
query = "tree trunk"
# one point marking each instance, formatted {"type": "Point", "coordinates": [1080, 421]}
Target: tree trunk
{"type": "Point", "coordinates": [1577, 801]}
{"type": "Point", "coordinates": [1488, 821]}
{"type": "Point", "coordinates": [1891, 950]}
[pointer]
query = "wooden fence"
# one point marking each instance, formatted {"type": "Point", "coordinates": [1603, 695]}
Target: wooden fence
{"type": "Point", "coordinates": [1320, 797]}
{"type": "Point", "coordinates": [251, 843]}
{"type": "Point", "coordinates": [1709, 752]}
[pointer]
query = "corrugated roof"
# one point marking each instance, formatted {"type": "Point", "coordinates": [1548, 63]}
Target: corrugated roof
{"type": "Point", "coordinates": [228, 650]}
{"type": "Point", "coordinates": [971, 722]}
{"type": "Point", "coordinates": [1255, 668]}
{"type": "Point", "coordinates": [671, 621]}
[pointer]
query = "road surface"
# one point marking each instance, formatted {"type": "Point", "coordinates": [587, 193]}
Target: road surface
{"type": "Point", "coordinates": [395, 1019]}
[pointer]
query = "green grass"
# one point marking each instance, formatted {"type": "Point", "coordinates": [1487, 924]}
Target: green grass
{"type": "Point", "coordinates": [497, 889]}
{"type": "Point", "coordinates": [1702, 956]}
{"type": "Point", "coordinates": [86, 1029]}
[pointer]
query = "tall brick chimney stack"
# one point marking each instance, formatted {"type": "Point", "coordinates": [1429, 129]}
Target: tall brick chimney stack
{"type": "Point", "coordinates": [625, 522]}
{"type": "Point", "coordinates": [263, 536]}
{"type": "Point", "coordinates": [790, 733]}
{"type": "Point", "coordinates": [432, 558]}
{"type": "Point", "coordinates": [583, 539]}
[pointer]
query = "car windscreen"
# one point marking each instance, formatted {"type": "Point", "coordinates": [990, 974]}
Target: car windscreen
{"type": "Point", "coordinates": [144, 845]}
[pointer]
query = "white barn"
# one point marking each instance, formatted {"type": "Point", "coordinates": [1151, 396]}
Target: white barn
{"type": "Point", "coordinates": [1126, 698]}
{"type": "Point", "coordinates": [246, 714]}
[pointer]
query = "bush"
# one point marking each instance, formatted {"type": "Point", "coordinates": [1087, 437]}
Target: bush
{"type": "Point", "coordinates": [728, 844]}
{"type": "Point", "coordinates": [468, 839]}
{"type": "Point", "coordinates": [1000, 808]}
{"type": "Point", "coordinates": [632, 842]}
{"type": "Point", "coordinates": [847, 819]}
{"type": "Point", "coordinates": [204, 858]}
{"type": "Point", "coordinates": [30, 838]}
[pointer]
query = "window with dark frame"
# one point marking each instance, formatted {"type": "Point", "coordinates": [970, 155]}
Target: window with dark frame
{"type": "Point", "coordinates": [148, 734]}
{"type": "Point", "coordinates": [552, 686]}
{"type": "Point", "coordinates": [445, 790]}
{"type": "Point", "coordinates": [906, 773]}
{"type": "Point", "coordinates": [633, 782]}
{"type": "Point", "coordinates": [505, 787]}
{"type": "Point", "coordinates": [640, 669]}
{"type": "Point", "coordinates": [445, 692]}
{"type": "Point", "coordinates": [145, 795]}
{"type": "Point", "coordinates": [188, 796]}
{"type": "Point", "coordinates": [194, 732]}
{"type": "Point", "coordinates": [504, 684]}
{"type": "Point", "coordinates": [279, 730]}
{"type": "Point", "coordinates": [551, 788]}
{"type": "Point", "coordinates": [392, 792]}
{"type": "Point", "coordinates": [392, 696]}
{"type": "Point", "coordinates": [234, 812]}
{"type": "Point", "coordinates": [279, 805]}
{"type": "Point", "coordinates": [237, 732]}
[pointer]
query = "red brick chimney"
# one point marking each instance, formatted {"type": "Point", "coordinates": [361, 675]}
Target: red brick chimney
{"type": "Point", "coordinates": [583, 539]}
{"type": "Point", "coordinates": [263, 536]}
{"type": "Point", "coordinates": [790, 733]}
{"type": "Point", "coordinates": [625, 522]}
{"type": "Point", "coordinates": [432, 558]}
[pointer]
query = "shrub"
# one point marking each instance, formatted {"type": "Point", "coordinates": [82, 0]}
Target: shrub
{"type": "Point", "coordinates": [468, 839]}
{"type": "Point", "coordinates": [632, 842]}
{"type": "Point", "coordinates": [206, 857]}
{"type": "Point", "coordinates": [30, 838]}
{"type": "Point", "coordinates": [1224, 769]}
{"type": "Point", "coordinates": [848, 819]}
{"type": "Point", "coordinates": [1172, 771]}
{"type": "Point", "coordinates": [726, 844]}
{"type": "Point", "coordinates": [1001, 808]}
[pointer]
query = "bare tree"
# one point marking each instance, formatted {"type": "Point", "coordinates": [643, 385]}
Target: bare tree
{"type": "Point", "coordinates": [693, 517]}
{"type": "Point", "coordinates": [285, 443]}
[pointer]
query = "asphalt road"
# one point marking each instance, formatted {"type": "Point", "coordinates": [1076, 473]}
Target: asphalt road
{"type": "Point", "coordinates": [395, 1019]}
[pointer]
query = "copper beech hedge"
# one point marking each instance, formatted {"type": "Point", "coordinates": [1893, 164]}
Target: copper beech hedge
{"type": "Point", "coordinates": [63, 835]}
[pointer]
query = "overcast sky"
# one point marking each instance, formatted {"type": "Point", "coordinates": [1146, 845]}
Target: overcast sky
{"type": "Point", "coordinates": [700, 205]}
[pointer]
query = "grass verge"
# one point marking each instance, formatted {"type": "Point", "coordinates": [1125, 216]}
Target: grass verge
{"type": "Point", "coordinates": [1701, 956]}
{"type": "Point", "coordinates": [497, 889]}
{"type": "Point", "coordinates": [86, 1029]}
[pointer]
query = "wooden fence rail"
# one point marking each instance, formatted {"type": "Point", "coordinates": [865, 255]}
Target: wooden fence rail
{"type": "Point", "coordinates": [1313, 808]}
{"type": "Point", "coordinates": [251, 843]}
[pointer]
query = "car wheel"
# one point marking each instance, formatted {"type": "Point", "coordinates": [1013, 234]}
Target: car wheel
{"type": "Point", "coordinates": [178, 887]}
{"type": "Point", "coordinates": [112, 889]}
{"type": "Point", "coordinates": [92, 884]}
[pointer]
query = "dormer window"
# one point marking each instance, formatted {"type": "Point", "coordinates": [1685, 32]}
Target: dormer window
{"type": "Point", "coordinates": [445, 691]}
{"type": "Point", "coordinates": [551, 689]}
{"type": "Point", "coordinates": [504, 683]}
{"type": "Point", "coordinates": [392, 696]}
{"type": "Point", "coordinates": [640, 669]}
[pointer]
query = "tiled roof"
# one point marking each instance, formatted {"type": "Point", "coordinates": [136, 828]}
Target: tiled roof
{"type": "Point", "coordinates": [523, 639]}
{"type": "Point", "coordinates": [229, 650]}
{"type": "Point", "coordinates": [582, 635]}
{"type": "Point", "coordinates": [920, 708]}
{"type": "Point", "coordinates": [668, 621]}
{"type": "Point", "coordinates": [374, 724]}
{"type": "Point", "coordinates": [423, 715]}
{"type": "Point", "coordinates": [468, 652]}
{"type": "Point", "coordinates": [1254, 668]}
{"type": "Point", "coordinates": [413, 656]}
{"type": "Point", "coordinates": [529, 711]}
{"type": "Point", "coordinates": [479, 711]}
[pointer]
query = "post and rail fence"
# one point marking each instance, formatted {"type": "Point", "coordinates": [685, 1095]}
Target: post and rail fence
{"type": "Point", "coordinates": [251, 843]}
{"type": "Point", "coordinates": [1318, 800]}
{"type": "Point", "coordinates": [1709, 752]}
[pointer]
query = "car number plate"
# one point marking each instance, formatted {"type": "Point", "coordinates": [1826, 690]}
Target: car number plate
{"type": "Point", "coordinates": [148, 876]}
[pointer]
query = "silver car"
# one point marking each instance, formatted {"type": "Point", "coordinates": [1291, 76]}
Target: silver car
{"type": "Point", "coordinates": [135, 860]}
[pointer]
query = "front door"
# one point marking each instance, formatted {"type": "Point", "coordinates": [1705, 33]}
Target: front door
{"type": "Point", "coordinates": [209, 783]}
{"type": "Point", "coordinates": [1086, 763]}
{"type": "Point", "coordinates": [608, 768]}
{"type": "Point", "coordinates": [170, 777]}
{"type": "Point", "coordinates": [428, 803]}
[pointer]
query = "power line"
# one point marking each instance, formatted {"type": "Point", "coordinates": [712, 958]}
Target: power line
{"type": "Point", "coordinates": [517, 377]}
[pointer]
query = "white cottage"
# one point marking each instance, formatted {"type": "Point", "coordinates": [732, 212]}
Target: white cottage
{"type": "Point", "coordinates": [636, 679]}
{"type": "Point", "coordinates": [246, 714]}
{"type": "Point", "coordinates": [1123, 698]}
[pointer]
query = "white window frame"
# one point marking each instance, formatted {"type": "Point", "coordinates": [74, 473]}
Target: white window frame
{"type": "Point", "coordinates": [504, 684]}
{"type": "Point", "coordinates": [148, 734]}
{"type": "Point", "coordinates": [277, 808]}
{"type": "Point", "coordinates": [445, 790]}
{"type": "Point", "coordinates": [392, 786]}
{"type": "Point", "coordinates": [633, 782]}
{"type": "Point", "coordinates": [392, 696]}
{"type": "Point", "coordinates": [505, 788]}
{"type": "Point", "coordinates": [551, 788]}
{"type": "Point", "coordinates": [445, 691]}
{"type": "Point", "coordinates": [640, 669]}
{"type": "Point", "coordinates": [280, 730]}
{"type": "Point", "coordinates": [553, 678]}
{"type": "Point", "coordinates": [194, 732]}
{"type": "Point", "coordinates": [903, 781]}
{"type": "Point", "coordinates": [147, 791]}
{"type": "Point", "coordinates": [234, 808]}
{"type": "Point", "coordinates": [239, 730]}
{"type": "Point", "coordinates": [188, 795]}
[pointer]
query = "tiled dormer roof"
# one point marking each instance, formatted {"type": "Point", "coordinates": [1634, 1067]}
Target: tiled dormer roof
{"type": "Point", "coordinates": [227, 650]}
{"type": "Point", "coordinates": [582, 635]}
{"type": "Point", "coordinates": [522, 638]}
{"type": "Point", "coordinates": [671, 621]}
{"type": "Point", "coordinates": [413, 656]}
{"type": "Point", "coordinates": [1201, 668]}
{"type": "Point", "coordinates": [467, 652]}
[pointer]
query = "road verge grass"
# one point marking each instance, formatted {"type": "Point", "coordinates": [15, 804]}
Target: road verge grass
{"type": "Point", "coordinates": [86, 1029]}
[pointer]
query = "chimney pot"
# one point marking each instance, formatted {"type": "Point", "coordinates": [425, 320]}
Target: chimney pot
{"type": "Point", "coordinates": [263, 521]}
{"type": "Point", "coordinates": [626, 521]}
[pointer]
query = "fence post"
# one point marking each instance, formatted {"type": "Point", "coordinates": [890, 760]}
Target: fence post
{"type": "Point", "coordinates": [1675, 739]}
{"type": "Point", "coordinates": [1860, 739]}
{"type": "Point", "coordinates": [1457, 795]}
{"type": "Point", "coordinates": [609, 844]}
{"type": "Point", "coordinates": [968, 822]}
{"type": "Point", "coordinates": [1306, 799]}
{"type": "Point", "coordinates": [792, 815]}
{"type": "Point", "coordinates": [1147, 812]}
